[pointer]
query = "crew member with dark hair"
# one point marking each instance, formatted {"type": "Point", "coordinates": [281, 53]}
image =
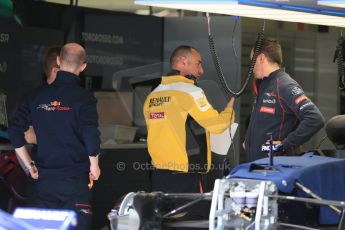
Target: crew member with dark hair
{"type": "Point", "coordinates": [50, 68]}
{"type": "Point", "coordinates": [64, 117]}
{"type": "Point", "coordinates": [280, 107]}
{"type": "Point", "coordinates": [50, 65]}
{"type": "Point", "coordinates": [179, 121]}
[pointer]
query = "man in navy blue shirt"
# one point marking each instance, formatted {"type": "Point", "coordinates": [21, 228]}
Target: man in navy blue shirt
{"type": "Point", "coordinates": [280, 107]}
{"type": "Point", "coordinates": [64, 118]}
{"type": "Point", "coordinates": [50, 70]}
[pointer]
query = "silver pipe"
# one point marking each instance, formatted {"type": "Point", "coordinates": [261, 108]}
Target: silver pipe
{"type": "Point", "coordinates": [297, 226]}
{"type": "Point", "coordinates": [310, 200]}
{"type": "Point", "coordinates": [206, 196]}
{"type": "Point", "coordinates": [309, 192]}
{"type": "Point", "coordinates": [182, 207]}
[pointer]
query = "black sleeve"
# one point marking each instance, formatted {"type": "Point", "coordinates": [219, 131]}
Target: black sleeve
{"type": "Point", "coordinates": [309, 116]}
{"type": "Point", "coordinates": [88, 121]}
{"type": "Point", "coordinates": [19, 124]}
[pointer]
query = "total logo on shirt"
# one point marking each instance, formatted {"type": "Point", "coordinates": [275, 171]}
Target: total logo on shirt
{"type": "Point", "coordinates": [53, 106]}
{"type": "Point", "coordinates": [158, 115]}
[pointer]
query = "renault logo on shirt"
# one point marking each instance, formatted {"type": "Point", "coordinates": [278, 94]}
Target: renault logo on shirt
{"type": "Point", "coordinates": [158, 101]}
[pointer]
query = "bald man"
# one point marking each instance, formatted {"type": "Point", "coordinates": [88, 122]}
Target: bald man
{"type": "Point", "coordinates": [64, 117]}
{"type": "Point", "coordinates": [179, 121]}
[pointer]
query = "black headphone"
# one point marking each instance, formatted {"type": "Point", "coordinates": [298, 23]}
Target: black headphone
{"type": "Point", "coordinates": [189, 76]}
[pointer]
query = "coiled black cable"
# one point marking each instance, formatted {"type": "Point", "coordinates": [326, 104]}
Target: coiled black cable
{"type": "Point", "coordinates": [218, 67]}
{"type": "Point", "coordinates": [339, 57]}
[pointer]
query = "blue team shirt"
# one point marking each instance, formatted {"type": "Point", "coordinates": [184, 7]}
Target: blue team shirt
{"type": "Point", "coordinates": [64, 117]}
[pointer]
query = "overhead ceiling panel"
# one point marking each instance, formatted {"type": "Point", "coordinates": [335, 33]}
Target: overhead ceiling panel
{"type": "Point", "coordinates": [282, 10]}
{"type": "Point", "coordinates": [332, 3]}
{"type": "Point", "coordinates": [114, 5]}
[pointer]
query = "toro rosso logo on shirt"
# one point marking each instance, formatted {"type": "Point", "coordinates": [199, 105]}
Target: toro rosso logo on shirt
{"type": "Point", "coordinates": [54, 106]}
{"type": "Point", "coordinates": [296, 91]}
{"type": "Point", "coordinates": [269, 110]}
{"type": "Point", "coordinates": [272, 94]}
{"type": "Point", "coordinates": [270, 98]}
{"type": "Point", "coordinates": [159, 115]}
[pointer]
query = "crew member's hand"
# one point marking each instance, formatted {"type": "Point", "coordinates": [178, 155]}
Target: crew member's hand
{"type": "Point", "coordinates": [274, 142]}
{"type": "Point", "coordinates": [231, 102]}
{"type": "Point", "coordinates": [277, 146]}
{"type": "Point", "coordinates": [30, 136]}
{"type": "Point", "coordinates": [244, 145]}
{"type": "Point", "coordinates": [33, 172]}
{"type": "Point", "coordinates": [95, 172]}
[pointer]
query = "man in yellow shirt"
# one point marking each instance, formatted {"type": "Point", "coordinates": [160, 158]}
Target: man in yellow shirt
{"type": "Point", "coordinates": [179, 120]}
